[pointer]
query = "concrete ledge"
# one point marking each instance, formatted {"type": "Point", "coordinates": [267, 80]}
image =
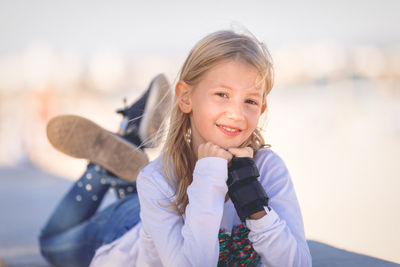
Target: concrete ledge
{"type": "Point", "coordinates": [28, 195]}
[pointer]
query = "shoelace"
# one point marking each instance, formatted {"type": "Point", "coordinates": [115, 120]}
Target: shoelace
{"type": "Point", "coordinates": [236, 249]}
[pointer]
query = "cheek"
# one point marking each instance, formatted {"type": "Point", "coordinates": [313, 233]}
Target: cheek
{"type": "Point", "coordinates": [253, 116]}
{"type": "Point", "coordinates": [201, 117]}
{"type": "Point", "coordinates": [208, 111]}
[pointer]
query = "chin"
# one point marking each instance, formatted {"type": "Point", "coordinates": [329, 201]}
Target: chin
{"type": "Point", "coordinates": [226, 146]}
{"type": "Point", "coordinates": [227, 143]}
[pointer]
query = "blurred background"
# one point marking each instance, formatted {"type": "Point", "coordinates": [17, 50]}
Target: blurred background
{"type": "Point", "coordinates": [333, 114]}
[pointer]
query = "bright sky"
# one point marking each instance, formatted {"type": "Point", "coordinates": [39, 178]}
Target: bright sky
{"type": "Point", "coordinates": [177, 24]}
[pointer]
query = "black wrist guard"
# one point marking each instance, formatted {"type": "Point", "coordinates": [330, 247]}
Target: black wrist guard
{"type": "Point", "coordinates": [246, 192]}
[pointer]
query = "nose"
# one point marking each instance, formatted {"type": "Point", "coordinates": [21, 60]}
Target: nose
{"type": "Point", "coordinates": [235, 112]}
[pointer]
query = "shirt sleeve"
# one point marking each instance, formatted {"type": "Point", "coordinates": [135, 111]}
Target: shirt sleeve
{"type": "Point", "coordinates": [279, 237]}
{"type": "Point", "coordinates": [193, 240]}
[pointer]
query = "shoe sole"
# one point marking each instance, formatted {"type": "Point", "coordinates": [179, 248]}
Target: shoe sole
{"type": "Point", "coordinates": [157, 107]}
{"type": "Point", "coordinates": [81, 138]}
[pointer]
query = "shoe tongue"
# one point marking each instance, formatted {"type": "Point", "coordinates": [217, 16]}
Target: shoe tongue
{"type": "Point", "coordinates": [135, 111]}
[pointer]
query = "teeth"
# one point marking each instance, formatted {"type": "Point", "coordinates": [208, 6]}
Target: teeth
{"type": "Point", "coordinates": [230, 129]}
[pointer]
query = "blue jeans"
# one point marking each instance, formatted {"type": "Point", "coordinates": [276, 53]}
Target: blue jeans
{"type": "Point", "coordinates": [75, 230]}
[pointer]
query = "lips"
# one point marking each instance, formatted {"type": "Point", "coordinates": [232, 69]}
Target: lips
{"type": "Point", "coordinates": [229, 130]}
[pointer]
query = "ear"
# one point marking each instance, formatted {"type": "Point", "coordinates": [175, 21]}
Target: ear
{"type": "Point", "coordinates": [263, 107]}
{"type": "Point", "coordinates": [182, 93]}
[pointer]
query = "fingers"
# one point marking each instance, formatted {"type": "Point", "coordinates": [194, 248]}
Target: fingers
{"type": "Point", "coordinates": [211, 150]}
{"type": "Point", "coordinates": [242, 152]}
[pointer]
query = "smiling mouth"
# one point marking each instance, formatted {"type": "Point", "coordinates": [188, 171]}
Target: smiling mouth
{"type": "Point", "coordinates": [230, 131]}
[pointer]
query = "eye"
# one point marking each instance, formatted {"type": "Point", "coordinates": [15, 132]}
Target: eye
{"type": "Point", "coordinates": [221, 94]}
{"type": "Point", "coordinates": [252, 102]}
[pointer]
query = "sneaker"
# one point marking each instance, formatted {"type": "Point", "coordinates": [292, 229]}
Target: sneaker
{"type": "Point", "coordinates": [82, 138]}
{"type": "Point", "coordinates": [144, 118]}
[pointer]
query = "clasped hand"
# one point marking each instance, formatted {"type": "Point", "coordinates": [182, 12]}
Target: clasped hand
{"type": "Point", "coordinates": [211, 150]}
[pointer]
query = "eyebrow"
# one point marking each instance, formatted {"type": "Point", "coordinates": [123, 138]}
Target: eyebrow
{"type": "Point", "coordinates": [256, 94]}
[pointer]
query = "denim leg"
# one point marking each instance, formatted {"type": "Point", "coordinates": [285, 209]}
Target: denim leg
{"type": "Point", "coordinates": [76, 246]}
{"type": "Point", "coordinates": [80, 203]}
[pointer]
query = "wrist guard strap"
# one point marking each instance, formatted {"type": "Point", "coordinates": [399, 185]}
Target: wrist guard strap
{"type": "Point", "coordinates": [245, 191]}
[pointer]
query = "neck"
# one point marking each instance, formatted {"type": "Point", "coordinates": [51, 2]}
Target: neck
{"type": "Point", "coordinates": [195, 148]}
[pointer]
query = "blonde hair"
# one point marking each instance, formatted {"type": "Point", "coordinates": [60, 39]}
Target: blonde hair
{"type": "Point", "coordinates": [178, 156]}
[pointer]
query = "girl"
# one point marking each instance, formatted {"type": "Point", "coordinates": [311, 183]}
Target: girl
{"type": "Point", "coordinates": [215, 196]}
{"type": "Point", "coordinates": [201, 203]}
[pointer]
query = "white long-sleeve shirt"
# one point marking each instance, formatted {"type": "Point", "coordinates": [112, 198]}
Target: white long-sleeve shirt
{"type": "Point", "coordinates": [165, 238]}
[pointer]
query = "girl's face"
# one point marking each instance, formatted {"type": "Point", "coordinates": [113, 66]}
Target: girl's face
{"type": "Point", "coordinates": [225, 105]}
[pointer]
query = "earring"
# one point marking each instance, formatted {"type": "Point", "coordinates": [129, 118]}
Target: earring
{"type": "Point", "coordinates": [188, 135]}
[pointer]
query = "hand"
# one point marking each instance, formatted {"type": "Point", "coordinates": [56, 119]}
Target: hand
{"type": "Point", "coordinates": [258, 215]}
{"type": "Point", "coordinates": [210, 150]}
{"type": "Point", "coordinates": [242, 152]}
